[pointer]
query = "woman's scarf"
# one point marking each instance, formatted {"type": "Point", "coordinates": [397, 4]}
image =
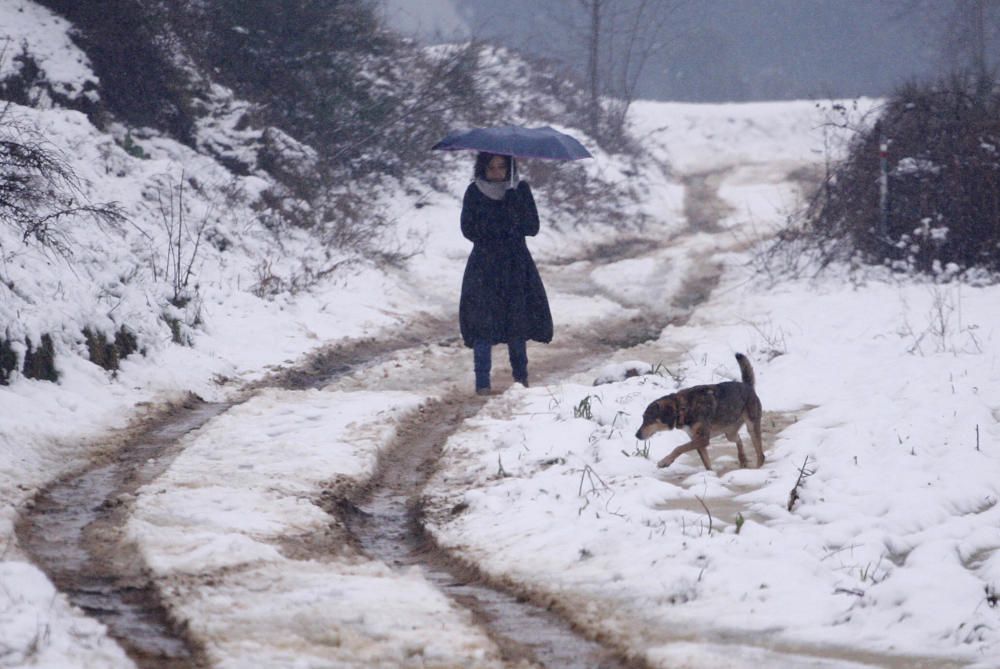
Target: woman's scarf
{"type": "Point", "coordinates": [495, 189]}
{"type": "Point", "coordinates": [492, 189]}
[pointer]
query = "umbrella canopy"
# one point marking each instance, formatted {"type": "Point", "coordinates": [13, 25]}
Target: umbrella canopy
{"type": "Point", "coordinates": [512, 140]}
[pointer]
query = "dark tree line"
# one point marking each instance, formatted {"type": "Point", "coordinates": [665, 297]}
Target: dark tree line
{"type": "Point", "coordinates": [133, 54]}
{"type": "Point", "coordinates": [919, 189]}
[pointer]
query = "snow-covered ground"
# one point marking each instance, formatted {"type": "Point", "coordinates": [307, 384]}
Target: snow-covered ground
{"type": "Point", "coordinates": [891, 547]}
{"type": "Point", "coordinates": [880, 388]}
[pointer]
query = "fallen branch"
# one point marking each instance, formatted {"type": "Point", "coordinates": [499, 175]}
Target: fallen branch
{"type": "Point", "coordinates": [804, 473]}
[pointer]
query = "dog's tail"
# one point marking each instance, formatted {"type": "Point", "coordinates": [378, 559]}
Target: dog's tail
{"type": "Point", "coordinates": [745, 369]}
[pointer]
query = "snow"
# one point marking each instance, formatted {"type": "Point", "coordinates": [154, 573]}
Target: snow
{"type": "Point", "coordinates": [879, 387]}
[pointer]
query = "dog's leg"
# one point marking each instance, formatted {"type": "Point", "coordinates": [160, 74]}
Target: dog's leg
{"type": "Point", "coordinates": [676, 453]}
{"type": "Point", "coordinates": [758, 443]}
{"type": "Point", "coordinates": [699, 440]}
{"type": "Point", "coordinates": [755, 414]}
{"type": "Point", "coordinates": [703, 452]}
{"type": "Point", "coordinates": [734, 436]}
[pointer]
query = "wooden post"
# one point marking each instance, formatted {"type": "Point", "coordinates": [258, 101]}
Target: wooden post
{"type": "Point", "coordinates": [883, 185]}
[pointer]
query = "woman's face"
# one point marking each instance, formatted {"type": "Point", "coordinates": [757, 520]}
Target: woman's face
{"type": "Point", "coordinates": [496, 169]}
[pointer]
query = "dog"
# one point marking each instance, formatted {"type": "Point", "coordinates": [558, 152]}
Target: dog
{"type": "Point", "coordinates": [704, 411]}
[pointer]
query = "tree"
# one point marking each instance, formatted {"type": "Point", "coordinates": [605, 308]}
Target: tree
{"type": "Point", "coordinates": [968, 32]}
{"type": "Point", "coordinates": [620, 38]}
{"type": "Point", "coordinates": [328, 74]}
{"type": "Point", "coordinates": [138, 62]}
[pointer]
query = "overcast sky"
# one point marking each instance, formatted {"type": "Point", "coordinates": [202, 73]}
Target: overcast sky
{"type": "Point", "coordinates": [426, 19]}
{"type": "Point", "coordinates": [720, 50]}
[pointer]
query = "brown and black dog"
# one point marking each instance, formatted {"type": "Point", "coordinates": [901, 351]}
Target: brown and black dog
{"type": "Point", "coordinates": [704, 411]}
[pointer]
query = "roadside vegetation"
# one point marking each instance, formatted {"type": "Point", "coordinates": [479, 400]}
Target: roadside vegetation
{"type": "Point", "coordinates": [919, 188]}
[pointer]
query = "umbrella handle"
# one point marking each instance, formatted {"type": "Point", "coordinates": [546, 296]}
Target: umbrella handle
{"type": "Point", "coordinates": [513, 168]}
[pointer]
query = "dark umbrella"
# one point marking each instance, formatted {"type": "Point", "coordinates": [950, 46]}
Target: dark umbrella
{"type": "Point", "coordinates": [512, 140]}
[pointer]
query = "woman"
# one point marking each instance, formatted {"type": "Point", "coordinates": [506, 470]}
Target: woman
{"type": "Point", "coordinates": [503, 299]}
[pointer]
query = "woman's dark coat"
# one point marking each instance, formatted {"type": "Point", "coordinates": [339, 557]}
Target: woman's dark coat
{"type": "Point", "coordinates": [502, 294]}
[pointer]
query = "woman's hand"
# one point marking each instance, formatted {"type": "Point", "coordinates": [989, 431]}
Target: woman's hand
{"type": "Point", "coordinates": [517, 192]}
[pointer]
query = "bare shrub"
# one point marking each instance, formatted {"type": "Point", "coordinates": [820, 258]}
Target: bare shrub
{"type": "Point", "coordinates": [942, 330]}
{"type": "Point", "coordinates": [268, 283]}
{"type": "Point", "coordinates": [39, 190]}
{"type": "Point", "coordinates": [109, 354]}
{"type": "Point", "coordinates": [176, 265]}
{"type": "Point", "coordinates": [941, 215]}
{"type": "Point", "coordinates": [8, 361]}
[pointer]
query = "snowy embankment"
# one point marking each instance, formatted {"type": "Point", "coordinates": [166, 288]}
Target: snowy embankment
{"type": "Point", "coordinates": [120, 276]}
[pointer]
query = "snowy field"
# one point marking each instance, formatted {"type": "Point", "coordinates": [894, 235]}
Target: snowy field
{"type": "Point", "coordinates": [890, 550]}
{"type": "Point", "coordinates": [881, 390]}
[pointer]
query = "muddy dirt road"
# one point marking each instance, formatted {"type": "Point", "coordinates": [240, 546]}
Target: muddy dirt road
{"type": "Point", "coordinates": [74, 529]}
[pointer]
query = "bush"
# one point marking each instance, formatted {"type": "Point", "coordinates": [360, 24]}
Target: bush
{"type": "Point", "coordinates": [943, 175]}
{"type": "Point", "coordinates": [107, 354]}
{"type": "Point", "coordinates": [40, 363]}
{"type": "Point", "coordinates": [8, 361]}
{"type": "Point", "coordinates": [330, 76]}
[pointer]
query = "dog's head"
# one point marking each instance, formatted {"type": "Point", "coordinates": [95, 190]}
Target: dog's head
{"type": "Point", "coordinates": [662, 414]}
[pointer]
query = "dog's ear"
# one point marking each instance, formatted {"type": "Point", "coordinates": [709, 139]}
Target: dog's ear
{"type": "Point", "coordinates": [682, 412]}
{"type": "Point", "coordinates": [668, 412]}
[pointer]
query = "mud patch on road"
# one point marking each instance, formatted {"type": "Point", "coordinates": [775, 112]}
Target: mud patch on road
{"type": "Point", "coordinates": [73, 531]}
{"type": "Point", "coordinates": [622, 248]}
{"type": "Point", "coordinates": [703, 207]}
{"type": "Point", "coordinates": [719, 511]}
{"type": "Point", "coordinates": [331, 362]}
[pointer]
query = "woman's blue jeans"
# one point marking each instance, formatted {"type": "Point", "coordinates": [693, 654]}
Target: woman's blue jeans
{"type": "Point", "coordinates": [482, 352]}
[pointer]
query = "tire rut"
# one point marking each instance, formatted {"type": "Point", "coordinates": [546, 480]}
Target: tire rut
{"type": "Point", "coordinates": [72, 530]}
{"type": "Point", "coordinates": [386, 515]}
